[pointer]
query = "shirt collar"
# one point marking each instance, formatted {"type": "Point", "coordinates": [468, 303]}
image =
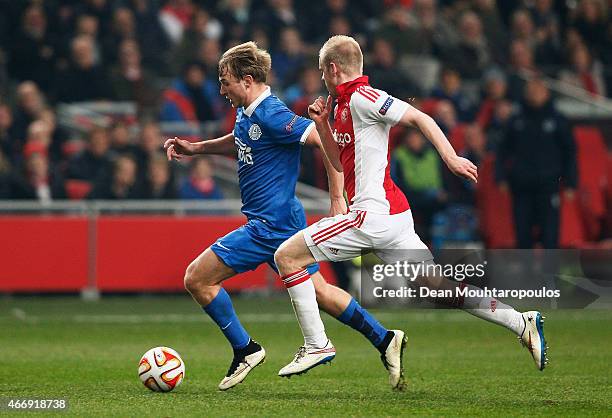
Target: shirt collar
{"type": "Point", "coordinates": [249, 110]}
{"type": "Point", "coordinates": [350, 86]}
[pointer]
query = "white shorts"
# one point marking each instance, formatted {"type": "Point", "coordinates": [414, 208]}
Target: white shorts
{"type": "Point", "coordinates": [391, 237]}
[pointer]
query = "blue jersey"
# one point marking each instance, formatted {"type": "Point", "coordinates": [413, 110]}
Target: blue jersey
{"type": "Point", "coordinates": [268, 138]}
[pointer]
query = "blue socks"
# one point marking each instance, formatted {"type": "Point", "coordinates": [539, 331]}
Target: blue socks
{"type": "Point", "coordinates": [360, 320]}
{"type": "Point", "coordinates": [221, 310]}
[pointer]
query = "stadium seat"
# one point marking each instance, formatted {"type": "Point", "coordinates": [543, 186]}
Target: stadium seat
{"type": "Point", "coordinates": [495, 208]}
{"type": "Point", "coordinates": [457, 137]}
{"type": "Point", "coordinates": [592, 160]}
{"type": "Point", "coordinates": [77, 189]}
{"type": "Point", "coordinates": [571, 232]}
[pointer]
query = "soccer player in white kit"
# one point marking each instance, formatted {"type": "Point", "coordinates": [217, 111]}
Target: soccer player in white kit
{"type": "Point", "coordinates": [379, 217]}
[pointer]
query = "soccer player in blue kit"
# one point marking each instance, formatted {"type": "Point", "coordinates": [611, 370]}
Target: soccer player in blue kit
{"type": "Point", "coordinates": [268, 137]}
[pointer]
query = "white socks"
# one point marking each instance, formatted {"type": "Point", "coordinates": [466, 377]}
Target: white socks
{"type": "Point", "coordinates": [493, 310]}
{"type": "Point", "coordinates": [304, 299]}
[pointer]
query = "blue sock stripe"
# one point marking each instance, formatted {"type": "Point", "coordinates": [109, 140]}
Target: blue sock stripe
{"type": "Point", "coordinates": [221, 310]}
{"type": "Point", "coordinates": [360, 320]}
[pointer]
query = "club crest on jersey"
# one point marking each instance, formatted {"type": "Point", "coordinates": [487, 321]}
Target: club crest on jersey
{"type": "Point", "coordinates": [386, 105]}
{"type": "Point", "coordinates": [254, 132]}
{"type": "Point", "coordinates": [344, 114]}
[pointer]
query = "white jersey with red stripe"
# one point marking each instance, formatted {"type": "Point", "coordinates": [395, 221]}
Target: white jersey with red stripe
{"type": "Point", "coordinates": [362, 119]}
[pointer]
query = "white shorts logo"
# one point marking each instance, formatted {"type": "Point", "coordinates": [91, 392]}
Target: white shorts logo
{"type": "Point", "coordinates": [254, 132]}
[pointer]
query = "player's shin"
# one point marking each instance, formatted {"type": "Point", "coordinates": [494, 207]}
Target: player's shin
{"type": "Point", "coordinates": [303, 297]}
{"type": "Point", "coordinates": [360, 320]}
{"type": "Point", "coordinates": [487, 308]}
{"type": "Point", "coordinates": [221, 310]}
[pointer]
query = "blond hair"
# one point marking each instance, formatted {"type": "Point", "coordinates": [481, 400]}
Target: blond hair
{"type": "Point", "coordinates": [246, 59]}
{"type": "Point", "coordinates": [344, 51]}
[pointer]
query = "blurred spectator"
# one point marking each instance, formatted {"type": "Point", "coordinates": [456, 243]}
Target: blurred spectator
{"type": "Point", "coordinates": [43, 183]}
{"type": "Point", "coordinates": [541, 40]}
{"type": "Point", "coordinates": [586, 73]}
{"type": "Point", "coordinates": [94, 162]}
{"type": "Point", "coordinates": [159, 183]}
{"type": "Point", "coordinates": [475, 146]}
{"type": "Point", "coordinates": [521, 66]}
{"type": "Point", "coordinates": [208, 54]}
{"type": "Point", "coordinates": [451, 89]}
{"type": "Point", "coordinates": [202, 27]}
{"type": "Point", "coordinates": [190, 97]}
{"type": "Point", "coordinates": [30, 105]}
{"type": "Point", "coordinates": [101, 9]}
{"type": "Point", "coordinates": [84, 80]}
{"type": "Point", "coordinates": [493, 27]}
{"type": "Point", "coordinates": [149, 146]}
{"type": "Point", "coordinates": [416, 170]}
{"type": "Point", "coordinates": [420, 31]}
{"type": "Point", "coordinates": [300, 96]}
{"type": "Point", "coordinates": [200, 183]}
{"type": "Point", "coordinates": [34, 50]}
{"type": "Point", "coordinates": [495, 90]}
{"type": "Point", "coordinates": [123, 184]}
{"type": "Point", "coordinates": [547, 21]}
{"type": "Point", "coordinates": [235, 19]}
{"type": "Point", "coordinates": [591, 23]}
{"type": "Point", "coordinates": [7, 131]}
{"type": "Point", "coordinates": [496, 129]}
{"type": "Point", "coordinates": [151, 35]}
{"type": "Point", "coordinates": [121, 142]}
{"type": "Point", "coordinates": [384, 74]}
{"type": "Point", "coordinates": [461, 190]}
{"type": "Point", "coordinates": [339, 25]}
{"type": "Point", "coordinates": [273, 17]}
{"type": "Point", "coordinates": [88, 25]}
{"type": "Point", "coordinates": [531, 170]}
{"type": "Point", "coordinates": [471, 55]}
{"type": "Point", "coordinates": [175, 17]}
{"type": "Point", "coordinates": [446, 116]}
{"type": "Point", "coordinates": [123, 27]}
{"type": "Point", "coordinates": [131, 82]}
{"type": "Point", "coordinates": [6, 177]}
{"type": "Point", "coordinates": [58, 135]}
{"type": "Point", "coordinates": [324, 12]}
{"type": "Point", "coordinates": [289, 57]}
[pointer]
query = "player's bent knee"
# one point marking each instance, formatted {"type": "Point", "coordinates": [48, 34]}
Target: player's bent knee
{"type": "Point", "coordinates": [191, 280]}
{"type": "Point", "coordinates": [281, 257]}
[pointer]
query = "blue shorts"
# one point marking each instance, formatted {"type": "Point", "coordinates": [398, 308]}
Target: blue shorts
{"type": "Point", "coordinates": [252, 244]}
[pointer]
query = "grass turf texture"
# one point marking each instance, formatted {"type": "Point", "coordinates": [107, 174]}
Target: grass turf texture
{"type": "Point", "coordinates": [456, 365]}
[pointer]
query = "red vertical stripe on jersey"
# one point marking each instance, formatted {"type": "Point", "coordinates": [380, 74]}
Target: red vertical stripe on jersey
{"type": "Point", "coordinates": [396, 198]}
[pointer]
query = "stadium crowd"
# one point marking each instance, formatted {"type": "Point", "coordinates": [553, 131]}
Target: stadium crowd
{"type": "Point", "coordinates": [473, 65]}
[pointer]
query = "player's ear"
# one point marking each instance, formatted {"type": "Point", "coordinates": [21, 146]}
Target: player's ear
{"type": "Point", "coordinates": [248, 80]}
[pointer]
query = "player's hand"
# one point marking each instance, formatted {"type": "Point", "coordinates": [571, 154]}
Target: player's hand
{"type": "Point", "coordinates": [338, 207]}
{"type": "Point", "coordinates": [177, 148]}
{"type": "Point", "coordinates": [319, 110]}
{"type": "Point", "coordinates": [463, 167]}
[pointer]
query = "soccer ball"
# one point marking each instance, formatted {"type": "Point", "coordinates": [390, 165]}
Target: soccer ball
{"type": "Point", "coordinates": [161, 369]}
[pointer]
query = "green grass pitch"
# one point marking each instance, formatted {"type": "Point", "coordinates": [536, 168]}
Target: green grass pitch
{"type": "Point", "coordinates": [455, 364]}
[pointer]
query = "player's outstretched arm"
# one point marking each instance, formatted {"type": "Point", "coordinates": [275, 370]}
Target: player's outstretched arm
{"type": "Point", "coordinates": [335, 178]}
{"type": "Point", "coordinates": [459, 166]}
{"type": "Point", "coordinates": [177, 148]}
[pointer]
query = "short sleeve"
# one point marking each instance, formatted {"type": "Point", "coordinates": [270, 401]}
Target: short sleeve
{"type": "Point", "coordinates": [285, 127]}
{"type": "Point", "coordinates": [376, 106]}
